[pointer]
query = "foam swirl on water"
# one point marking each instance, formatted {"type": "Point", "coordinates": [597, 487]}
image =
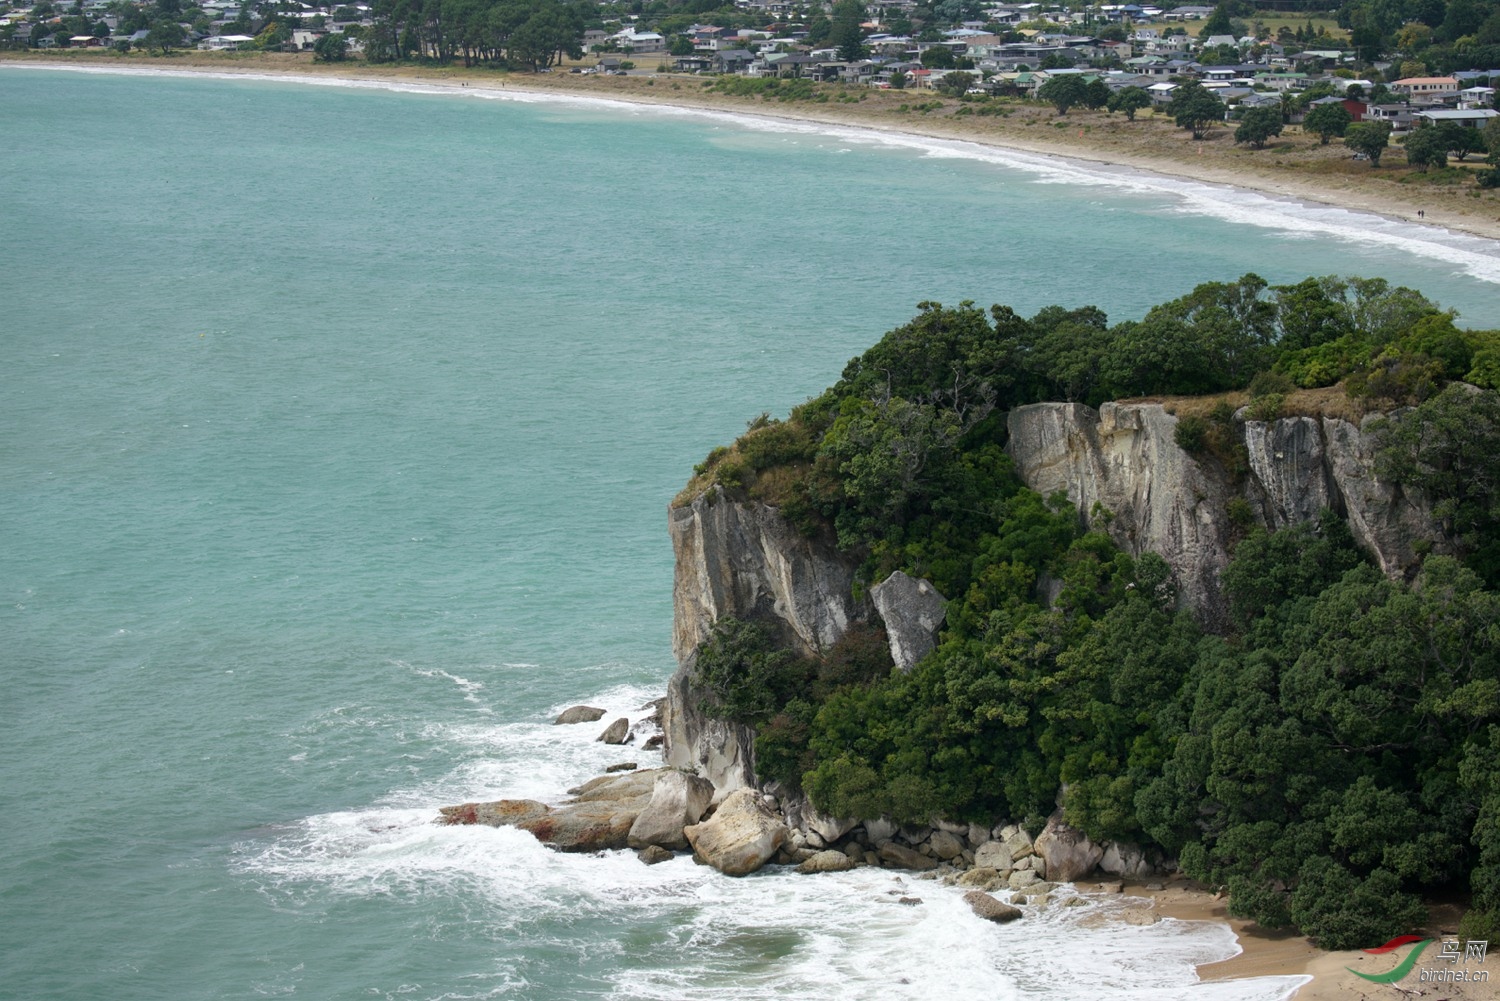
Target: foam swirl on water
{"type": "Point", "coordinates": [678, 930]}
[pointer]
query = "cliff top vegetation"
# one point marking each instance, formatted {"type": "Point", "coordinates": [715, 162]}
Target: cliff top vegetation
{"type": "Point", "coordinates": [1329, 757]}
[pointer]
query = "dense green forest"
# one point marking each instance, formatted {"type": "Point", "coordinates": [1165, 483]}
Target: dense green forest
{"type": "Point", "coordinates": [1441, 35]}
{"type": "Point", "coordinates": [530, 34]}
{"type": "Point", "coordinates": [1334, 753]}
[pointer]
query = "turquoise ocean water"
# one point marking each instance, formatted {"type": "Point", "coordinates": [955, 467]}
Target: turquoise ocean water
{"type": "Point", "coordinates": [337, 428]}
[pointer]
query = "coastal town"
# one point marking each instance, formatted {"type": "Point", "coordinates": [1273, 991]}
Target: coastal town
{"type": "Point", "coordinates": [1424, 85]}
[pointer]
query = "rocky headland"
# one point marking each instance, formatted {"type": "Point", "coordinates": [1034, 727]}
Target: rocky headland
{"type": "Point", "coordinates": [1121, 467]}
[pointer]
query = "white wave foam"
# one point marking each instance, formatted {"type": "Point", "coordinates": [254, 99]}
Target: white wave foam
{"type": "Point", "coordinates": [678, 930]}
{"type": "Point", "coordinates": [773, 935]}
{"type": "Point", "coordinates": [470, 689]}
{"type": "Point", "coordinates": [1475, 256]}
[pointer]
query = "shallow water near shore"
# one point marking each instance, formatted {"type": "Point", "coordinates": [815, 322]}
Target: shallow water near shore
{"type": "Point", "coordinates": [339, 429]}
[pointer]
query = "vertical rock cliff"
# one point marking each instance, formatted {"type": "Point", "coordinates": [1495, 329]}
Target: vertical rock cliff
{"type": "Point", "coordinates": [744, 560]}
{"type": "Point", "coordinates": [1120, 465]}
{"type": "Point", "coordinates": [1124, 470]}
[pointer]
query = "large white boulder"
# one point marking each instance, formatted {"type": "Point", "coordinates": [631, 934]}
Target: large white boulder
{"type": "Point", "coordinates": [677, 800]}
{"type": "Point", "coordinates": [739, 838]}
{"type": "Point", "coordinates": [1068, 852]}
{"type": "Point", "coordinates": [913, 612]}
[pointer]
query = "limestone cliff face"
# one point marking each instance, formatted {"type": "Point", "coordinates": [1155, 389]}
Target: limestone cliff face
{"type": "Point", "coordinates": [1122, 459]}
{"type": "Point", "coordinates": [744, 560]}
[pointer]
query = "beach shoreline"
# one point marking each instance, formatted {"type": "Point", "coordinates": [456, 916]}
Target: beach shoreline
{"type": "Point", "coordinates": [1267, 953]}
{"type": "Point", "coordinates": [1287, 186]}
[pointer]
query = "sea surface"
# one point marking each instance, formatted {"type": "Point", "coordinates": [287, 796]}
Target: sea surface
{"type": "Point", "coordinates": [337, 430]}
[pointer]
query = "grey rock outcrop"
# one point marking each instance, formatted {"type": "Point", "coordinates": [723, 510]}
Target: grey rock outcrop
{"type": "Point", "coordinates": [996, 855]}
{"type": "Point", "coordinates": [1123, 859]}
{"type": "Point", "coordinates": [740, 837]}
{"type": "Point", "coordinates": [1022, 878]}
{"type": "Point", "coordinates": [585, 827]}
{"type": "Point", "coordinates": [598, 817]}
{"type": "Point", "coordinates": [579, 714]}
{"type": "Point", "coordinates": [900, 857]}
{"type": "Point", "coordinates": [945, 845]}
{"type": "Point", "coordinates": [801, 815]}
{"type": "Point", "coordinates": [747, 561]}
{"type": "Point", "coordinates": [498, 813]}
{"type": "Point", "coordinates": [827, 861]}
{"type": "Point", "coordinates": [913, 612]}
{"type": "Point", "coordinates": [987, 907]}
{"type": "Point", "coordinates": [982, 878]}
{"type": "Point", "coordinates": [616, 787]}
{"type": "Point", "coordinates": [677, 800]}
{"type": "Point", "coordinates": [617, 732]}
{"type": "Point", "coordinates": [1384, 518]}
{"type": "Point", "coordinates": [743, 560]}
{"type": "Point", "coordinates": [1123, 459]}
{"type": "Point", "coordinates": [1068, 852]}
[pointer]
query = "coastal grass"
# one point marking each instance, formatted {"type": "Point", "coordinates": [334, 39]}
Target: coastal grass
{"type": "Point", "coordinates": [1325, 401]}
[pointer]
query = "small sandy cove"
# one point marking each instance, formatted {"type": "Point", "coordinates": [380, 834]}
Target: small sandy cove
{"type": "Point", "coordinates": [1287, 953]}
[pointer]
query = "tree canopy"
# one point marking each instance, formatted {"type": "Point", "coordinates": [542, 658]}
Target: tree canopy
{"type": "Point", "coordinates": [1194, 107]}
{"type": "Point", "coordinates": [529, 34]}
{"type": "Point", "coordinates": [1258, 126]}
{"type": "Point", "coordinates": [1064, 91]}
{"type": "Point", "coordinates": [1327, 120]}
{"type": "Point", "coordinates": [1369, 139]}
{"type": "Point", "coordinates": [1326, 757]}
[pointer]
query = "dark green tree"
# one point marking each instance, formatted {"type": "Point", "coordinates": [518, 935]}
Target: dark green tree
{"type": "Point", "coordinates": [1129, 100]}
{"type": "Point", "coordinates": [1258, 126]}
{"type": "Point", "coordinates": [164, 36]}
{"type": "Point", "coordinates": [1425, 148]}
{"type": "Point", "coordinates": [1096, 95]}
{"type": "Point", "coordinates": [956, 83]}
{"type": "Point", "coordinates": [847, 34]}
{"type": "Point", "coordinates": [938, 57]}
{"type": "Point", "coordinates": [1369, 139]}
{"type": "Point", "coordinates": [1327, 120]}
{"type": "Point", "coordinates": [1063, 91]}
{"type": "Point", "coordinates": [1195, 108]}
{"type": "Point", "coordinates": [1459, 141]}
{"type": "Point", "coordinates": [1218, 23]}
{"type": "Point", "coordinates": [331, 48]}
{"type": "Point", "coordinates": [1447, 448]}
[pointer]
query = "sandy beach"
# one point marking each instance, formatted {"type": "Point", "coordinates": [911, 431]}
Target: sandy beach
{"type": "Point", "coordinates": [1282, 953]}
{"type": "Point", "coordinates": [1298, 169]}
